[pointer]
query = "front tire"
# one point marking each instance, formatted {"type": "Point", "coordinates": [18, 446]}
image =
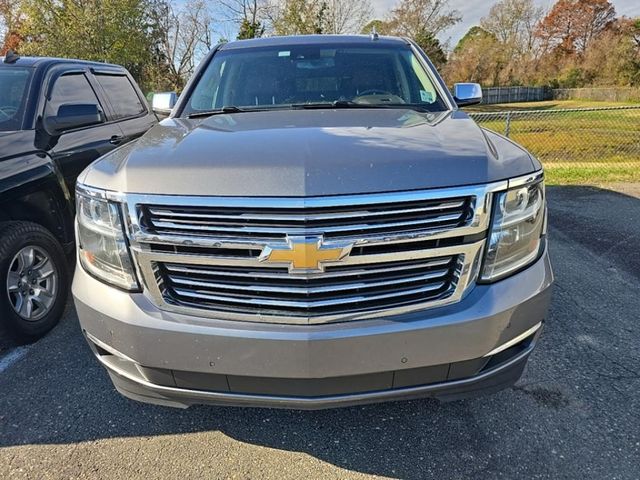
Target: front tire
{"type": "Point", "coordinates": [34, 279]}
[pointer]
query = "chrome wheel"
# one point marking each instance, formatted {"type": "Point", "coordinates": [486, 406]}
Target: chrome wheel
{"type": "Point", "coordinates": [32, 283]}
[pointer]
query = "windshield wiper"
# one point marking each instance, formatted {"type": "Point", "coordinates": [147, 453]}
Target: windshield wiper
{"type": "Point", "coordinates": [218, 111]}
{"type": "Point", "coordinates": [309, 106]}
{"type": "Point", "coordinates": [352, 104]}
{"type": "Point", "coordinates": [331, 105]}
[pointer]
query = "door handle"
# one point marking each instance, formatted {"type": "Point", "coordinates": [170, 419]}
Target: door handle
{"type": "Point", "coordinates": [116, 140]}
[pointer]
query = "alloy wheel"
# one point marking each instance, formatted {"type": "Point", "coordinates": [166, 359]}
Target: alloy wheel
{"type": "Point", "coordinates": [32, 283]}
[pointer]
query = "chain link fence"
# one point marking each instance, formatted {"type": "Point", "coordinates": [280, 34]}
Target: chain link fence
{"type": "Point", "coordinates": [588, 145]}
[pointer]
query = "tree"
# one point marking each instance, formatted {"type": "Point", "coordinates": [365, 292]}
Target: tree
{"type": "Point", "coordinates": [472, 34]}
{"type": "Point", "coordinates": [513, 23]}
{"type": "Point", "coordinates": [414, 17]}
{"type": "Point", "coordinates": [114, 31]}
{"type": "Point", "coordinates": [249, 29]}
{"type": "Point", "coordinates": [182, 36]}
{"type": "Point", "coordinates": [347, 16]}
{"type": "Point", "coordinates": [298, 17]}
{"type": "Point", "coordinates": [572, 25]}
{"type": "Point", "coordinates": [615, 58]}
{"type": "Point", "coordinates": [302, 17]}
{"type": "Point", "coordinates": [10, 19]}
{"type": "Point", "coordinates": [250, 15]}
{"type": "Point", "coordinates": [432, 47]}
{"type": "Point", "coordinates": [478, 57]}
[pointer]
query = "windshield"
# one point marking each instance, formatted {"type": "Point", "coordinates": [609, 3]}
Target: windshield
{"type": "Point", "coordinates": [272, 77]}
{"type": "Point", "coordinates": [14, 83]}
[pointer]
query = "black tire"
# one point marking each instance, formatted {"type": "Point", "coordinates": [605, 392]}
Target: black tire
{"type": "Point", "coordinates": [14, 237]}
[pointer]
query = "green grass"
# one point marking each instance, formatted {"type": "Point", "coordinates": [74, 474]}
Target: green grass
{"type": "Point", "coordinates": [591, 147]}
{"type": "Point", "coordinates": [548, 105]}
{"type": "Point", "coordinates": [589, 175]}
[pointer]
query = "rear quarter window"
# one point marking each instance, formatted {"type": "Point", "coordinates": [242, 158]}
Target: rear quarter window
{"type": "Point", "coordinates": [122, 96]}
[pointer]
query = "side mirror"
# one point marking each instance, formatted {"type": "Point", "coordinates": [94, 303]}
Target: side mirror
{"type": "Point", "coordinates": [71, 116]}
{"type": "Point", "coordinates": [466, 94]}
{"type": "Point", "coordinates": [163, 103]}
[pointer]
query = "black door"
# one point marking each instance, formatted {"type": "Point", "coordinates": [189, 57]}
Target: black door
{"type": "Point", "coordinates": [128, 107]}
{"type": "Point", "coordinates": [76, 149]}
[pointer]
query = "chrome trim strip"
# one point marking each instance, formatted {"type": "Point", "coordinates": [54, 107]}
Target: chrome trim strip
{"type": "Point", "coordinates": [304, 304]}
{"type": "Point", "coordinates": [142, 238]}
{"type": "Point", "coordinates": [320, 276]}
{"type": "Point", "coordinates": [100, 193]}
{"type": "Point", "coordinates": [293, 230]}
{"type": "Point", "coordinates": [108, 348]}
{"type": "Point", "coordinates": [339, 287]}
{"type": "Point", "coordinates": [199, 259]}
{"type": "Point", "coordinates": [309, 290]}
{"type": "Point", "coordinates": [167, 212]}
{"type": "Point", "coordinates": [514, 341]}
{"type": "Point", "coordinates": [527, 179]}
{"type": "Point", "coordinates": [259, 243]}
{"type": "Point", "coordinates": [316, 202]}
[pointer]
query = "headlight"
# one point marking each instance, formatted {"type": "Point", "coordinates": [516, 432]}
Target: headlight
{"type": "Point", "coordinates": [102, 247]}
{"type": "Point", "coordinates": [517, 228]}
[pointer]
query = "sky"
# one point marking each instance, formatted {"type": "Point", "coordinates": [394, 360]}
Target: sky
{"type": "Point", "coordinates": [473, 10]}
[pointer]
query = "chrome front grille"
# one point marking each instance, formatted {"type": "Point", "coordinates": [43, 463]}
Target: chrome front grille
{"type": "Point", "coordinates": [338, 290]}
{"type": "Point", "coordinates": [330, 221]}
{"type": "Point", "coordinates": [409, 251]}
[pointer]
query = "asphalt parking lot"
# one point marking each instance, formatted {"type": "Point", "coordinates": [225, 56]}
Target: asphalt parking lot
{"type": "Point", "coordinates": [574, 414]}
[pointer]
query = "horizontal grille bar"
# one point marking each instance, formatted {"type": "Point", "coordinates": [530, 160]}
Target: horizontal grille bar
{"type": "Point", "coordinates": [305, 291]}
{"type": "Point", "coordinates": [330, 222]}
{"type": "Point", "coordinates": [284, 274]}
{"type": "Point", "coordinates": [277, 292]}
{"type": "Point", "coordinates": [283, 231]}
{"type": "Point", "coordinates": [297, 218]}
{"type": "Point", "coordinates": [305, 305]}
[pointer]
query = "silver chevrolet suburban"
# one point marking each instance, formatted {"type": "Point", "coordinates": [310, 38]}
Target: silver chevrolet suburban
{"type": "Point", "coordinates": [315, 225]}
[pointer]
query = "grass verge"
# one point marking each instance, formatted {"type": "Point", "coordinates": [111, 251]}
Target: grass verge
{"type": "Point", "coordinates": [565, 174]}
{"type": "Point", "coordinates": [548, 105]}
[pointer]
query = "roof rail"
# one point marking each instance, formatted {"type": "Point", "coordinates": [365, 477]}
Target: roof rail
{"type": "Point", "coordinates": [11, 57]}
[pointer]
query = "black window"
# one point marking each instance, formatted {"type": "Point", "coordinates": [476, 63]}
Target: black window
{"type": "Point", "coordinates": [71, 88]}
{"type": "Point", "coordinates": [14, 87]}
{"type": "Point", "coordinates": [121, 95]}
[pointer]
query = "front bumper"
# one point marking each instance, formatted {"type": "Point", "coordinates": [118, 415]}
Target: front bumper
{"type": "Point", "coordinates": [478, 345]}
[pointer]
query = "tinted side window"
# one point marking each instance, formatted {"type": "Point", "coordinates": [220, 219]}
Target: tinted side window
{"type": "Point", "coordinates": [122, 95]}
{"type": "Point", "coordinates": [14, 87]}
{"type": "Point", "coordinates": [71, 88]}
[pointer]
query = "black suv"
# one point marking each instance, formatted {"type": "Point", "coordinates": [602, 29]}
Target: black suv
{"type": "Point", "coordinates": [56, 117]}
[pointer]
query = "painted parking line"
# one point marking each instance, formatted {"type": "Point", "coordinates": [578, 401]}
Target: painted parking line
{"type": "Point", "coordinates": [12, 357]}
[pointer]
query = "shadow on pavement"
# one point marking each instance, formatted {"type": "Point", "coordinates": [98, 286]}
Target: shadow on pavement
{"type": "Point", "coordinates": [605, 222]}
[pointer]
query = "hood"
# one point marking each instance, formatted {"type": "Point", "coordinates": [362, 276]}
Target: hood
{"type": "Point", "coordinates": [308, 153]}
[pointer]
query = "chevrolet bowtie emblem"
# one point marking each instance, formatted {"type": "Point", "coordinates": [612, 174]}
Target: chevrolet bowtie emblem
{"type": "Point", "coordinates": [305, 254]}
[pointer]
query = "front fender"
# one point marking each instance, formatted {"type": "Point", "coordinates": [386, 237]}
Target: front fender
{"type": "Point", "coordinates": [32, 189]}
